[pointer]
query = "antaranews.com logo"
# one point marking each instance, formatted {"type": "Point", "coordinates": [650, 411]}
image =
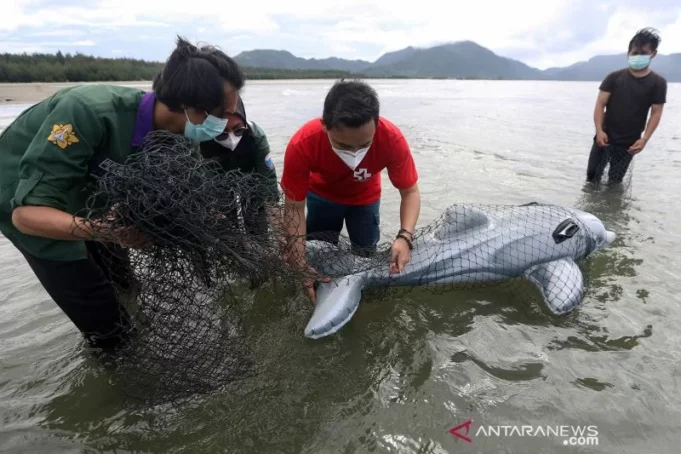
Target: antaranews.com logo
{"type": "Point", "coordinates": [570, 435]}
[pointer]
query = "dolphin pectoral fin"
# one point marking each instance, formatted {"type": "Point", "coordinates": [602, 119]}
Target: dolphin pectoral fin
{"type": "Point", "coordinates": [560, 283]}
{"type": "Point", "coordinates": [337, 302]}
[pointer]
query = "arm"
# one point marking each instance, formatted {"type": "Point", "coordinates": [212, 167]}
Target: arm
{"type": "Point", "coordinates": [295, 229]}
{"type": "Point", "coordinates": [604, 92]}
{"type": "Point", "coordinates": [599, 110]}
{"type": "Point", "coordinates": [403, 175]}
{"type": "Point", "coordinates": [410, 207]}
{"type": "Point", "coordinates": [658, 101]}
{"type": "Point", "coordinates": [655, 116]}
{"type": "Point", "coordinates": [295, 181]}
{"type": "Point", "coordinates": [50, 222]}
{"type": "Point", "coordinates": [53, 166]}
{"type": "Point", "coordinates": [654, 121]}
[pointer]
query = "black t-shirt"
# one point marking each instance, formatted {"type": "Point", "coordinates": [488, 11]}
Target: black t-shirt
{"type": "Point", "coordinates": [630, 100]}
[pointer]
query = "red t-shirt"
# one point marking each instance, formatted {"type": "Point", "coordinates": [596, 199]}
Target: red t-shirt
{"type": "Point", "coordinates": [311, 164]}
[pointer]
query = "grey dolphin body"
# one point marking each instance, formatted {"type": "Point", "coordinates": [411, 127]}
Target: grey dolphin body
{"type": "Point", "coordinates": [470, 244]}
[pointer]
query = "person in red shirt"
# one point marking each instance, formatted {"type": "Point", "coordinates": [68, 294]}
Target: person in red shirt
{"type": "Point", "coordinates": [333, 165]}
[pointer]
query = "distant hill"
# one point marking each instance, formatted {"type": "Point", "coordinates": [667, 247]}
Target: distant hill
{"type": "Point", "coordinates": [393, 57]}
{"type": "Point", "coordinates": [282, 59]}
{"type": "Point", "coordinates": [598, 67]}
{"type": "Point", "coordinates": [465, 60]}
{"type": "Point", "coordinates": [460, 60]}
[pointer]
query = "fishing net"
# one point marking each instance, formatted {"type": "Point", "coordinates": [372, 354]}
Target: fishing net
{"type": "Point", "coordinates": [204, 241]}
{"type": "Point", "coordinates": [612, 166]}
{"type": "Point", "coordinates": [210, 236]}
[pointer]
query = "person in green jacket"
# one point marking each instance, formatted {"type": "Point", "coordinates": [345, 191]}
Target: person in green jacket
{"type": "Point", "coordinates": [50, 154]}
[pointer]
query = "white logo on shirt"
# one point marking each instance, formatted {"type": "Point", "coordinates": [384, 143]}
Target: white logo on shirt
{"type": "Point", "coordinates": [362, 175]}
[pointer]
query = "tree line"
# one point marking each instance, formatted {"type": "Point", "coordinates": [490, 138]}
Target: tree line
{"type": "Point", "coordinates": [60, 67]}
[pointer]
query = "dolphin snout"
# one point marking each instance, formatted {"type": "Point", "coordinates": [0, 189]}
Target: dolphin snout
{"type": "Point", "coordinates": [609, 236]}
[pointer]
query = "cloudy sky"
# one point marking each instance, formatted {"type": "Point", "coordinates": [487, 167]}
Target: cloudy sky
{"type": "Point", "coordinates": [541, 33]}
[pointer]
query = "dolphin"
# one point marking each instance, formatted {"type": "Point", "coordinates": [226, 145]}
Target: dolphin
{"type": "Point", "coordinates": [468, 244]}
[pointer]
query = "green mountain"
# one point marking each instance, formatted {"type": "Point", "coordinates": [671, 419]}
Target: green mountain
{"type": "Point", "coordinates": [460, 60]}
{"type": "Point", "coordinates": [282, 59]}
{"type": "Point", "coordinates": [393, 57]}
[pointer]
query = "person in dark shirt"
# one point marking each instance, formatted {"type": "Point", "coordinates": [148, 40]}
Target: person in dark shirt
{"type": "Point", "coordinates": [243, 148]}
{"type": "Point", "coordinates": [624, 100]}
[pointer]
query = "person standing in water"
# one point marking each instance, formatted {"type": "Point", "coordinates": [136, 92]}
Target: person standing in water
{"type": "Point", "coordinates": [625, 97]}
{"type": "Point", "coordinates": [51, 153]}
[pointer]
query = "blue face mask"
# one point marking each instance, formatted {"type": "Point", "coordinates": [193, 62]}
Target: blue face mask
{"type": "Point", "coordinates": [639, 62]}
{"type": "Point", "coordinates": [208, 130]}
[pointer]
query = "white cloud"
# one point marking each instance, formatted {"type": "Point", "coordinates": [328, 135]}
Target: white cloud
{"type": "Point", "coordinates": [42, 46]}
{"type": "Point", "coordinates": [620, 28]}
{"type": "Point", "coordinates": [356, 28]}
{"type": "Point", "coordinates": [25, 13]}
{"type": "Point", "coordinates": [490, 23]}
{"type": "Point", "coordinates": [64, 33]}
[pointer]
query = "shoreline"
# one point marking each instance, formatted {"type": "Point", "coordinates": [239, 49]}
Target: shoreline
{"type": "Point", "coordinates": [12, 93]}
{"type": "Point", "coordinates": [33, 92]}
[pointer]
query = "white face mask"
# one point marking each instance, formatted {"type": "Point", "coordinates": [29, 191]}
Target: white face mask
{"type": "Point", "coordinates": [351, 158]}
{"type": "Point", "coordinates": [230, 142]}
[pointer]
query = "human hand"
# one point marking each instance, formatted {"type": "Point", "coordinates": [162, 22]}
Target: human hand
{"type": "Point", "coordinates": [130, 237]}
{"type": "Point", "coordinates": [310, 283]}
{"type": "Point", "coordinates": [601, 139]}
{"type": "Point", "coordinates": [127, 237]}
{"type": "Point", "coordinates": [400, 254]}
{"type": "Point", "coordinates": [638, 146]}
{"type": "Point", "coordinates": [109, 230]}
{"type": "Point", "coordinates": [296, 257]}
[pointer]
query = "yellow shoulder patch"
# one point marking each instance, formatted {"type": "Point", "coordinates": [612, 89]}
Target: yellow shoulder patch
{"type": "Point", "coordinates": [62, 135]}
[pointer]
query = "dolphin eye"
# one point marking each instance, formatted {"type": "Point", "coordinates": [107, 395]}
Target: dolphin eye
{"type": "Point", "coordinates": [565, 230]}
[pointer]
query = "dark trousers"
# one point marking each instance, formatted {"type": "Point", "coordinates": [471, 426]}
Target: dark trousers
{"type": "Point", "coordinates": [84, 290]}
{"type": "Point", "coordinates": [325, 221]}
{"type": "Point", "coordinates": [617, 156]}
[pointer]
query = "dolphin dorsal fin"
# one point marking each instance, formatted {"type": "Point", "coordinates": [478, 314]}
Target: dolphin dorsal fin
{"type": "Point", "coordinates": [560, 282]}
{"type": "Point", "coordinates": [460, 218]}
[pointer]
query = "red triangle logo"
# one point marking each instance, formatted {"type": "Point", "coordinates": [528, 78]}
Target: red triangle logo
{"type": "Point", "coordinates": [457, 431]}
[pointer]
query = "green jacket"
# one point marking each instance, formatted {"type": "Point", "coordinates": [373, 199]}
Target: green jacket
{"type": "Point", "coordinates": [47, 154]}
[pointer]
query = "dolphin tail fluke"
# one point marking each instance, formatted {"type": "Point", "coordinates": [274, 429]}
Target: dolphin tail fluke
{"type": "Point", "coordinates": [560, 283]}
{"type": "Point", "coordinates": [337, 302]}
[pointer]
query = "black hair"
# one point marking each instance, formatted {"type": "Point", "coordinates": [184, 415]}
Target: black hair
{"type": "Point", "coordinates": [351, 104]}
{"type": "Point", "coordinates": [645, 36]}
{"type": "Point", "coordinates": [195, 76]}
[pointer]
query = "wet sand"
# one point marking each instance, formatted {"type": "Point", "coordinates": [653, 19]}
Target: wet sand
{"type": "Point", "coordinates": [34, 92]}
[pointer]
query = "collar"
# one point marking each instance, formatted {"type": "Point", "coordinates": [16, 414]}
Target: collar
{"type": "Point", "coordinates": [144, 123]}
